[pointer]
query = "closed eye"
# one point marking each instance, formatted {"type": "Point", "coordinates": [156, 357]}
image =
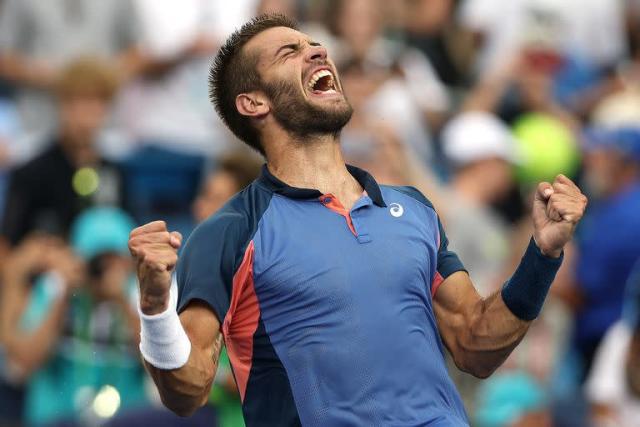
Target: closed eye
{"type": "Point", "coordinates": [287, 49]}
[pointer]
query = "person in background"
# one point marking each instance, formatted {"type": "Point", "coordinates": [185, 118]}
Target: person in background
{"type": "Point", "coordinates": [166, 106]}
{"type": "Point", "coordinates": [613, 387]}
{"type": "Point", "coordinates": [70, 323]}
{"type": "Point", "coordinates": [512, 400]}
{"type": "Point", "coordinates": [235, 171]}
{"type": "Point", "coordinates": [48, 192]}
{"type": "Point", "coordinates": [608, 244]}
{"type": "Point", "coordinates": [39, 39]}
{"type": "Point", "coordinates": [482, 152]}
{"type": "Point", "coordinates": [411, 91]}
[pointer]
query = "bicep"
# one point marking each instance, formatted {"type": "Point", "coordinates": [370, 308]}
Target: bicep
{"type": "Point", "coordinates": [203, 329]}
{"type": "Point", "coordinates": [453, 303]}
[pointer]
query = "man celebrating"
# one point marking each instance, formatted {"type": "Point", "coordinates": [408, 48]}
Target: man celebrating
{"type": "Point", "coordinates": [335, 296]}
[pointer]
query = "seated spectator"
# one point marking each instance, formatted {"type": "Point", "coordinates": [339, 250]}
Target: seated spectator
{"type": "Point", "coordinates": [608, 244]}
{"type": "Point", "coordinates": [72, 332]}
{"type": "Point", "coordinates": [39, 39]}
{"type": "Point", "coordinates": [613, 387]}
{"type": "Point", "coordinates": [234, 172]}
{"type": "Point", "coordinates": [49, 191]}
{"type": "Point", "coordinates": [482, 151]}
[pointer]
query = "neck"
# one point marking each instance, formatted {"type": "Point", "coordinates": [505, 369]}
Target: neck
{"type": "Point", "coordinates": [79, 151]}
{"type": "Point", "coordinates": [315, 162]}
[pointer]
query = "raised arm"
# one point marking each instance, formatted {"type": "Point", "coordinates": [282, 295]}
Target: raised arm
{"type": "Point", "coordinates": [181, 353]}
{"type": "Point", "coordinates": [481, 332]}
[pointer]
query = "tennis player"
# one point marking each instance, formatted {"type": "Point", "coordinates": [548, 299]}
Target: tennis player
{"type": "Point", "coordinates": [335, 296]}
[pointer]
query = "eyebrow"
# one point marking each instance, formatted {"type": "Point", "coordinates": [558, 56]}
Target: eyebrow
{"type": "Point", "coordinates": [295, 46]}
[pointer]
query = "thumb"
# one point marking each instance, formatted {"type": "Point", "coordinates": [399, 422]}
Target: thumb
{"type": "Point", "coordinates": [543, 192]}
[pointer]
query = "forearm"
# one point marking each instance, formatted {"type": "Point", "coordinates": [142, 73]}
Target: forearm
{"type": "Point", "coordinates": [482, 332]}
{"type": "Point", "coordinates": [30, 350]}
{"type": "Point", "coordinates": [181, 363]}
{"type": "Point", "coordinates": [493, 332]}
{"type": "Point", "coordinates": [15, 68]}
{"type": "Point", "coordinates": [185, 389]}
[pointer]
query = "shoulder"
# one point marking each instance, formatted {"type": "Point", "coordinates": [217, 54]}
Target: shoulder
{"type": "Point", "coordinates": [236, 221]}
{"type": "Point", "coordinates": [412, 193]}
{"type": "Point", "coordinates": [40, 165]}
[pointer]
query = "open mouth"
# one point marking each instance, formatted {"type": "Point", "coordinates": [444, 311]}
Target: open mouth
{"type": "Point", "coordinates": [322, 82]}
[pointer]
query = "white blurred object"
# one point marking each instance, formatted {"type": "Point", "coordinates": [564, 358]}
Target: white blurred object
{"type": "Point", "coordinates": [607, 382]}
{"type": "Point", "coordinates": [478, 135]}
{"type": "Point", "coordinates": [170, 26]}
{"type": "Point", "coordinates": [617, 110]}
{"type": "Point", "coordinates": [174, 111]}
{"type": "Point", "coordinates": [593, 30]}
{"type": "Point", "coordinates": [168, 29]}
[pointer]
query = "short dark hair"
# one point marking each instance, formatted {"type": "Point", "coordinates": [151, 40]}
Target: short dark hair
{"type": "Point", "coordinates": [233, 73]}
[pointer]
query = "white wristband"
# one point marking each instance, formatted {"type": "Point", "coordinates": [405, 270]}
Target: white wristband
{"type": "Point", "coordinates": [163, 341]}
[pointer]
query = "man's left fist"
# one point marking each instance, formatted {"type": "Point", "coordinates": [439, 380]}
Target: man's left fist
{"type": "Point", "coordinates": [557, 208]}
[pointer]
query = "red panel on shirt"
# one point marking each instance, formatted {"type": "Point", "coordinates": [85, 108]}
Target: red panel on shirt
{"type": "Point", "coordinates": [241, 321]}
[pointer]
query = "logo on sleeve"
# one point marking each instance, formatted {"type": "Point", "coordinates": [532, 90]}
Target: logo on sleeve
{"type": "Point", "coordinates": [396, 210]}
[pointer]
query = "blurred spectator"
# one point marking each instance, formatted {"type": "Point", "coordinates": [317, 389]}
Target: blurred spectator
{"type": "Point", "coordinates": [168, 105]}
{"type": "Point", "coordinates": [613, 387]}
{"type": "Point", "coordinates": [592, 30]}
{"type": "Point", "coordinates": [235, 171]}
{"type": "Point", "coordinates": [482, 151]}
{"type": "Point", "coordinates": [512, 400]}
{"type": "Point", "coordinates": [70, 322]}
{"type": "Point", "coordinates": [49, 191]}
{"type": "Point", "coordinates": [608, 244]}
{"type": "Point", "coordinates": [432, 29]}
{"type": "Point", "coordinates": [521, 84]}
{"type": "Point", "coordinates": [410, 92]}
{"type": "Point", "coordinates": [38, 39]}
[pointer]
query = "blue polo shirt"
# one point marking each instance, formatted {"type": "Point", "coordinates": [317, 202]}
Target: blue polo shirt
{"type": "Point", "coordinates": [327, 314]}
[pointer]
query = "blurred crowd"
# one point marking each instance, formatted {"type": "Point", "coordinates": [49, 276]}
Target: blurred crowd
{"type": "Point", "coordinates": [105, 123]}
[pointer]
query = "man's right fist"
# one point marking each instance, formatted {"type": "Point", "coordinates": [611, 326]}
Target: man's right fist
{"type": "Point", "coordinates": [155, 250]}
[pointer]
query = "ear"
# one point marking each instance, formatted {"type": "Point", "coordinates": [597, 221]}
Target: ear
{"type": "Point", "coordinates": [252, 104]}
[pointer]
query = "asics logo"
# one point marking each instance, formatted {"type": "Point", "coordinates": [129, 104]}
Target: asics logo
{"type": "Point", "coordinates": [396, 210]}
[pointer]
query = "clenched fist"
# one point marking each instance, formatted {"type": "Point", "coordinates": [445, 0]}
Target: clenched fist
{"type": "Point", "coordinates": [557, 208]}
{"type": "Point", "coordinates": [155, 250]}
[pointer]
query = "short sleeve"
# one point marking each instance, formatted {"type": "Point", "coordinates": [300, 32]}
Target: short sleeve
{"type": "Point", "coordinates": [208, 262]}
{"type": "Point", "coordinates": [448, 261]}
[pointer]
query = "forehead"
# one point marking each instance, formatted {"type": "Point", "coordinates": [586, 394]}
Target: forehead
{"type": "Point", "coordinates": [267, 43]}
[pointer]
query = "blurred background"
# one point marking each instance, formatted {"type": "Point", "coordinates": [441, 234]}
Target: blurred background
{"type": "Point", "coordinates": [105, 124]}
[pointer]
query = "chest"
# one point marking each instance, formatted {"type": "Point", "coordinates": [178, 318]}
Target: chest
{"type": "Point", "coordinates": [307, 256]}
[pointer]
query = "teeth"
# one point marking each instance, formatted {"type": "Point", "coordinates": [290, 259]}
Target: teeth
{"type": "Point", "coordinates": [317, 76]}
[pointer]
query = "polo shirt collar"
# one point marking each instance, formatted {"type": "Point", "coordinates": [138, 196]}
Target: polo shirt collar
{"type": "Point", "coordinates": [363, 177]}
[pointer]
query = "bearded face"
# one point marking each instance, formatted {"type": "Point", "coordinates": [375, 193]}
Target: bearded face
{"type": "Point", "coordinates": [302, 116]}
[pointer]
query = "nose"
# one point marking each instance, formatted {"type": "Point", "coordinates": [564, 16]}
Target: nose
{"type": "Point", "coordinates": [316, 53]}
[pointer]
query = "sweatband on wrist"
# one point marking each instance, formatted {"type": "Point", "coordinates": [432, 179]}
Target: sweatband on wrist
{"type": "Point", "coordinates": [163, 341]}
{"type": "Point", "coordinates": [525, 292]}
